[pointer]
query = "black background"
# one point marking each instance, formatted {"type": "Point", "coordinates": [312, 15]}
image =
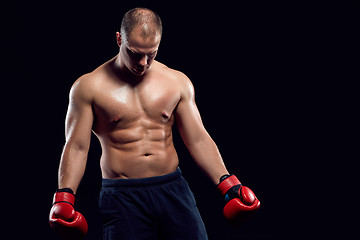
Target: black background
{"type": "Point", "coordinates": [263, 86]}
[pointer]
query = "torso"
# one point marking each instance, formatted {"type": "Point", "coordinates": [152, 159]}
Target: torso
{"type": "Point", "coordinates": [134, 122]}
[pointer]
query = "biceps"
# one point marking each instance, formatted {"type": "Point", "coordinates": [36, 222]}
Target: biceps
{"type": "Point", "coordinates": [189, 123]}
{"type": "Point", "coordinates": [78, 125]}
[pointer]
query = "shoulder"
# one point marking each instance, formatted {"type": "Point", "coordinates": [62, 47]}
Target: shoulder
{"type": "Point", "coordinates": [89, 82]}
{"type": "Point", "coordinates": [180, 79]}
{"type": "Point", "coordinates": [83, 88]}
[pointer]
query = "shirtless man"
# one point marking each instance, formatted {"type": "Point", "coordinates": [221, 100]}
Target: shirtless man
{"type": "Point", "coordinates": [131, 103]}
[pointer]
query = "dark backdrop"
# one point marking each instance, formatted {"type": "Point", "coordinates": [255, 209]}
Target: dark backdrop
{"type": "Point", "coordinates": [258, 71]}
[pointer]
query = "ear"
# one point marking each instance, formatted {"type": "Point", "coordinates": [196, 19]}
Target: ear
{"type": "Point", "coordinates": [118, 38]}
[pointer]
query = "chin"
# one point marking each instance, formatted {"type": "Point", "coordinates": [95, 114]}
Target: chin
{"type": "Point", "coordinates": [138, 73]}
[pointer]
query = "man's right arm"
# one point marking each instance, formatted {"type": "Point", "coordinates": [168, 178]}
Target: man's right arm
{"type": "Point", "coordinates": [78, 125]}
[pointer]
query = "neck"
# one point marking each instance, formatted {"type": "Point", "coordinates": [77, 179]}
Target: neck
{"type": "Point", "coordinates": [124, 73]}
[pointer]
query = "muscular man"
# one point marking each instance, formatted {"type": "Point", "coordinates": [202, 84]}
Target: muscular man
{"type": "Point", "coordinates": [131, 103]}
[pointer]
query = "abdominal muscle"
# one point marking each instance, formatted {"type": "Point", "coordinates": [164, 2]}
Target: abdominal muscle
{"type": "Point", "coordinates": [138, 152]}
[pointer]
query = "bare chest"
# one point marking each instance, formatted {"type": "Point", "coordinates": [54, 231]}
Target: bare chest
{"type": "Point", "coordinates": [125, 105]}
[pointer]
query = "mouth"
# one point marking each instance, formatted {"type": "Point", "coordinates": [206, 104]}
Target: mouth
{"type": "Point", "coordinates": [138, 71]}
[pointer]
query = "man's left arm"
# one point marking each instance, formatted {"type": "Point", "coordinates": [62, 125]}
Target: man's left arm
{"type": "Point", "coordinates": [241, 202]}
{"type": "Point", "coordinates": [199, 143]}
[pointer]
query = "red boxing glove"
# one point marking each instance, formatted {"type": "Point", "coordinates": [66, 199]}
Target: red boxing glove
{"type": "Point", "coordinates": [63, 219]}
{"type": "Point", "coordinates": [241, 202]}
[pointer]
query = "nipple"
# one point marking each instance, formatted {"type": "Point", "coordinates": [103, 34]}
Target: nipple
{"type": "Point", "coordinates": [116, 119]}
{"type": "Point", "coordinates": [165, 115]}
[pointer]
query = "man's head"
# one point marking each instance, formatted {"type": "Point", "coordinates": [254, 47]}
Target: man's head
{"type": "Point", "coordinates": [139, 39]}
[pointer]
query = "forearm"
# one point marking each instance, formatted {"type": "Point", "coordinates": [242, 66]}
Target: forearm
{"type": "Point", "coordinates": [206, 154]}
{"type": "Point", "coordinates": [72, 167]}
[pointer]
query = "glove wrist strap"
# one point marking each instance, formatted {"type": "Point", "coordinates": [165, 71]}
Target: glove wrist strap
{"type": "Point", "coordinates": [64, 195]}
{"type": "Point", "coordinates": [227, 183]}
{"type": "Point", "coordinates": [69, 190]}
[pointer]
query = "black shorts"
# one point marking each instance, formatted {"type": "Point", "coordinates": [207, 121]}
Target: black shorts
{"type": "Point", "coordinates": [155, 208]}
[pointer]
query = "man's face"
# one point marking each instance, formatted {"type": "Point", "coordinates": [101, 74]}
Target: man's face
{"type": "Point", "coordinates": [137, 52]}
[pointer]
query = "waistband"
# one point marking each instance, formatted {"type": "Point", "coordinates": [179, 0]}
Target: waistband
{"type": "Point", "coordinates": [141, 182]}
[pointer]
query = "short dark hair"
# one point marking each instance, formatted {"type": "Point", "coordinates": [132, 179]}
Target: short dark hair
{"type": "Point", "coordinates": [144, 17]}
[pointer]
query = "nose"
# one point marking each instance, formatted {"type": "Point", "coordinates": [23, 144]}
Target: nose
{"type": "Point", "coordinates": [143, 61]}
